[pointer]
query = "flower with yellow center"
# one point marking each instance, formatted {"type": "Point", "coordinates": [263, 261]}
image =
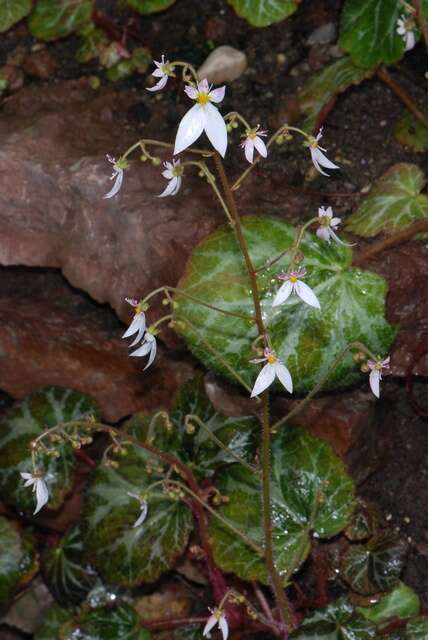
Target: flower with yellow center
{"type": "Point", "coordinates": [203, 116]}
{"type": "Point", "coordinates": [375, 368]}
{"type": "Point", "coordinates": [318, 157]}
{"type": "Point", "coordinates": [217, 617]}
{"type": "Point", "coordinates": [163, 70]}
{"type": "Point", "coordinates": [173, 172]}
{"type": "Point", "coordinates": [293, 284]}
{"type": "Point", "coordinates": [253, 141]}
{"type": "Point", "coordinates": [273, 368]}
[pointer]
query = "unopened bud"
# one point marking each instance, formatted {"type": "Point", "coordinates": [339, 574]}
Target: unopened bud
{"type": "Point", "coordinates": [280, 140]}
{"type": "Point", "coordinates": [156, 162]}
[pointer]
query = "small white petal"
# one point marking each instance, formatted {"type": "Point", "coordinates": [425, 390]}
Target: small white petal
{"type": "Point", "coordinates": [283, 293]}
{"type": "Point", "coordinates": [284, 376]}
{"type": "Point", "coordinates": [117, 184]}
{"type": "Point", "coordinates": [152, 354]}
{"type": "Point", "coordinates": [141, 351]}
{"type": "Point", "coordinates": [374, 379]}
{"type": "Point", "coordinates": [215, 128]}
{"type": "Point", "coordinates": [217, 95]}
{"type": "Point", "coordinates": [42, 494]}
{"type": "Point", "coordinates": [249, 150]}
{"type": "Point", "coordinates": [178, 185]}
{"type": "Point", "coordinates": [260, 146]}
{"type": "Point", "coordinates": [306, 294]}
{"type": "Point", "coordinates": [410, 40]}
{"type": "Point", "coordinates": [143, 515]}
{"type": "Point", "coordinates": [224, 627]}
{"type": "Point", "coordinates": [323, 160]}
{"type": "Point", "coordinates": [211, 623]}
{"type": "Point", "coordinates": [29, 480]}
{"type": "Point", "coordinates": [264, 379]}
{"type": "Point", "coordinates": [170, 188]}
{"type": "Point", "coordinates": [190, 128]}
{"type": "Point", "coordinates": [138, 324]}
{"type": "Point", "coordinates": [159, 85]}
{"type": "Point", "coordinates": [323, 233]}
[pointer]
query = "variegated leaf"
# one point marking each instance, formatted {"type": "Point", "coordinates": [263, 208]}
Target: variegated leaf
{"type": "Point", "coordinates": [307, 340]}
{"type": "Point", "coordinates": [107, 623]}
{"type": "Point", "coordinates": [262, 13]}
{"type": "Point", "coordinates": [393, 203]}
{"type": "Point", "coordinates": [402, 602]}
{"type": "Point", "coordinates": [336, 621]}
{"type": "Point", "coordinates": [18, 559]}
{"type": "Point", "coordinates": [311, 494]}
{"type": "Point", "coordinates": [53, 19]}
{"type": "Point", "coordinates": [11, 11]}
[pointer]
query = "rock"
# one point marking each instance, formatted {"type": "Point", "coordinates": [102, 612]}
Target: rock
{"type": "Point", "coordinates": [325, 34]}
{"type": "Point", "coordinates": [224, 64]}
{"type": "Point", "coordinates": [13, 76]}
{"type": "Point", "coordinates": [40, 64]}
{"type": "Point", "coordinates": [51, 334]}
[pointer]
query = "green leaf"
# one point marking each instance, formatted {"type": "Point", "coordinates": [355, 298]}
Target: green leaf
{"type": "Point", "coordinates": [336, 621]}
{"type": "Point", "coordinates": [323, 87]}
{"type": "Point", "coordinates": [369, 32]}
{"type": "Point", "coordinates": [123, 554]}
{"type": "Point", "coordinates": [402, 602]}
{"type": "Point", "coordinates": [150, 6]}
{"type": "Point", "coordinates": [307, 340]}
{"type": "Point", "coordinates": [375, 566]}
{"type": "Point", "coordinates": [393, 203]}
{"type": "Point", "coordinates": [68, 576]}
{"type": "Point", "coordinates": [262, 13]}
{"type": "Point", "coordinates": [53, 19]}
{"type": "Point", "coordinates": [18, 560]}
{"type": "Point", "coordinates": [93, 42]}
{"type": "Point", "coordinates": [411, 133]}
{"type": "Point", "coordinates": [54, 619]}
{"type": "Point", "coordinates": [106, 623]}
{"type": "Point", "coordinates": [364, 522]}
{"type": "Point", "coordinates": [20, 426]}
{"type": "Point", "coordinates": [311, 495]}
{"type": "Point", "coordinates": [12, 11]}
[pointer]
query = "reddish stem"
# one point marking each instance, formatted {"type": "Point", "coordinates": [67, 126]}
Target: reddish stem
{"type": "Point", "coordinates": [383, 74]}
{"type": "Point", "coordinates": [80, 453]}
{"type": "Point", "coordinates": [397, 238]}
{"type": "Point", "coordinates": [320, 568]}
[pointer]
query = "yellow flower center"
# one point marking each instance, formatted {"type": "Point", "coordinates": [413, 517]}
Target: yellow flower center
{"type": "Point", "coordinates": [203, 98]}
{"type": "Point", "coordinates": [271, 358]}
{"type": "Point", "coordinates": [292, 279]}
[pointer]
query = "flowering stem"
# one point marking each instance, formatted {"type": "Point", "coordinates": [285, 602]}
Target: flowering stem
{"type": "Point", "coordinates": [275, 579]}
{"type": "Point", "coordinates": [397, 238]}
{"type": "Point", "coordinates": [234, 115]}
{"type": "Point", "coordinates": [166, 145]}
{"type": "Point", "coordinates": [294, 248]}
{"type": "Point", "coordinates": [384, 75]}
{"type": "Point", "coordinates": [211, 181]}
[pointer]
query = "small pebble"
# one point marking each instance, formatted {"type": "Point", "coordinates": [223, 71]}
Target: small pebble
{"type": "Point", "coordinates": [224, 64]}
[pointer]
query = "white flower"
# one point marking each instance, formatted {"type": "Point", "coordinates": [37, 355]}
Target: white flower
{"type": "Point", "coordinates": [293, 284]}
{"type": "Point", "coordinates": [203, 116]}
{"type": "Point", "coordinates": [144, 507]}
{"type": "Point", "coordinates": [328, 225]}
{"type": "Point", "coordinates": [117, 175]}
{"type": "Point", "coordinates": [163, 71]}
{"type": "Point", "coordinates": [138, 324]}
{"type": "Point", "coordinates": [273, 368]}
{"type": "Point", "coordinates": [253, 141]}
{"type": "Point", "coordinates": [39, 486]}
{"type": "Point", "coordinates": [405, 29]}
{"type": "Point", "coordinates": [318, 157]}
{"type": "Point", "coordinates": [219, 618]}
{"type": "Point", "coordinates": [173, 173]}
{"type": "Point", "coordinates": [148, 347]}
{"type": "Point", "coordinates": [376, 373]}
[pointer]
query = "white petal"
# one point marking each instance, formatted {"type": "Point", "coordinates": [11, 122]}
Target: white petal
{"type": "Point", "coordinates": [152, 355]}
{"type": "Point", "coordinates": [42, 494]}
{"type": "Point", "coordinates": [264, 379]}
{"type": "Point", "coordinates": [323, 160]}
{"type": "Point", "coordinates": [217, 95]}
{"type": "Point", "coordinates": [222, 623]}
{"type": "Point", "coordinates": [117, 185]}
{"type": "Point", "coordinates": [211, 623]}
{"type": "Point", "coordinates": [170, 188]}
{"type": "Point", "coordinates": [142, 351]}
{"type": "Point", "coordinates": [177, 188]}
{"type": "Point", "coordinates": [410, 40]}
{"type": "Point", "coordinates": [260, 146]}
{"type": "Point", "coordinates": [306, 294]}
{"type": "Point", "coordinates": [158, 73]}
{"type": "Point", "coordinates": [215, 128]}
{"type": "Point", "coordinates": [191, 91]}
{"type": "Point", "coordinates": [159, 85]}
{"type": "Point", "coordinates": [283, 293]}
{"type": "Point", "coordinates": [143, 515]}
{"type": "Point", "coordinates": [249, 150]}
{"type": "Point", "coordinates": [316, 164]}
{"type": "Point", "coordinates": [138, 323]}
{"type": "Point", "coordinates": [167, 174]}
{"type": "Point", "coordinates": [190, 128]}
{"type": "Point", "coordinates": [323, 233]}
{"type": "Point", "coordinates": [339, 241]}
{"type": "Point", "coordinates": [374, 379]}
{"type": "Point", "coordinates": [28, 477]}
{"type": "Point", "coordinates": [284, 376]}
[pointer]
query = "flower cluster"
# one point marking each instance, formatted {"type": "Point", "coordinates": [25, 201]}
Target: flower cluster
{"type": "Point", "coordinates": [147, 337]}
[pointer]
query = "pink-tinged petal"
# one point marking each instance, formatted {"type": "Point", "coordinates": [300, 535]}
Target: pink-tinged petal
{"type": "Point", "coordinates": [323, 233]}
{"type": "Point", "coordinates": [138, 323]}
{"type": "Point", "coordinates": [249, 150]}
{"type": "Point", "coordinates": [260, 146]}
{"type": "Point", "coordinates": [117, 184]}
{"type": "Point", "coordinates": [282, 294]}
{"type": "Point", "coordinates": [410, 40]}
{"type": "Point", "coordinates": [264, 379]}
{"type": "Point", "coordinates": [159, 85]}
{"type": "Point", "coordinates": [224, 627]}
{"type": "Point", "coordinates": [211, 623]}
{"type": "Point", "coordinates": [374, 379]}
{"type": "Point", "coordinates": [42, 495]}
{"type": "Point", "coordinates": [217, 95]}
{"type": "Point", "coordinates": [203, 86]}
{"type": "Point", "coordinates": [190, 128]}
{"type": "Point", "coordinates": [143, 515]}
{"type": "Point", "coordinates": [190, 91]}
{"type": "Point", "coordinates": [306, 294]}
{"type": "Point", "coordinates": [284, 376]}
{"type": "Point", "coordinates": [170, 188]}
{"type": "Point", "coordinates": [215, 128]}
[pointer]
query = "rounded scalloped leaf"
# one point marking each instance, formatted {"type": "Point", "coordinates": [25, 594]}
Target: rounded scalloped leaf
{"type": "Point", "coordinates": [18, 559]}
{"type": "Point", "coordinates": [124, 554]}
{"type": "Point", "coordinates": [375, 566]}
{"type": "Point", "coordinates": [24, 422]}
{"type": "Point", "coordinates": [393, 203]}
{"type": "Point", "coordinates": [65, 571]}
{"type": "Point", "coordinates": [53, 19]}
{"type": "Point", "coordinates": [262, 13]}
{"type": "Point", "coordinates": [411, 133]}
{"type": "Point", "coordinates": [306, 339]}
{"type": "Point", "coordinates": [336, 621]}
{"type": "Point", "coordinates": [402, 602]}
{"type": "Point", "coordinates": [53, 620]}
{"type": "Point", "coordinates": [12, 11]}
{"type": "Point", "coordinates": [368, 32]}
{"type": "Point", "coordinates": [109, 623]}
{"type": "Point", "coordinates": [311, 495]}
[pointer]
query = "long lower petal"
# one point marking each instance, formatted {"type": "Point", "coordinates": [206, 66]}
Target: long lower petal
{"type": "Point", "coordinates": [190, 128]}
{"type": "Point", "coordinates": [42, 495]}
{"type": "Point", "coordinates": [116, 186]}
{"type": "Point", "coordinates": [215, 128]}
{"type": "Point", "coordinates": [249, 150]}
{"type": "Point", "coordinates": [260, 146]}
{"type": "Point", "coordinates": [224, 627]}
{"type": "Point", "coordinates": [138, 323]}
{"type": "Point", "coordinates": [170, 188]}
{"type": "Point", "coordinates": [264, 380]}
{"type": "Point", "coordinates": [374, 379]}
{"type": "Point", "coordinates": [152, 355]}
{"type": "Point", "coordinates": [307, 295]}
{"type": "Point", "coordinates": [284, 376]}
{"type": "Point", "coordinates": [160, 84]}
{"type": "Point", "coordinates": [282, 294]}
{"type": "Point", "coordinates": [211, 623]}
